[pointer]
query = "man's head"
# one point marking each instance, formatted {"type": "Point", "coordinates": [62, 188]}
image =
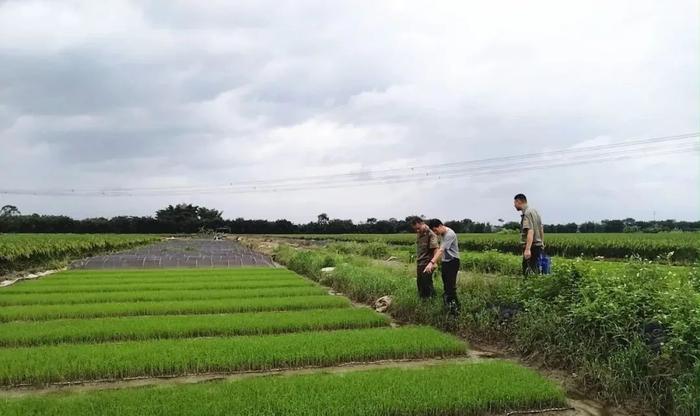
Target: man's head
{"type": "Point", "coordinates": [417, 224]}
{"type": "Point", "coordinates": [519, 202]}
{"type": "Point", "coordinates": [437, 226]}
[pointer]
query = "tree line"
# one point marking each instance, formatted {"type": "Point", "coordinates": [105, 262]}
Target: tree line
{"type": "Point", "coordinates": [188, 218]}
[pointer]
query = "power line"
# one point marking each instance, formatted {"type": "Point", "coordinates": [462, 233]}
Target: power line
{"type": "Point", "coordinates": [431, 167]}
{"type": "Point", "coordinates": [666, 145]}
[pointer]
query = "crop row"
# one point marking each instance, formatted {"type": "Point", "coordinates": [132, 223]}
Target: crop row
{"type": "Point", "coordinates": [184, 326]}
{"type": "Point", "coordinates": [18, 251]}
{"type": "Point", "coordinates": [15, 299]}
{"type": "Point", "coordinates": [73, 362]}
{"type": "Point", "coordinates": [38, 287]}
{"type": "Point", "coordinates": [85, 276]}
{"type": "Point", "coordinates": [510, 264]}
{"type": "Point", "coordinates": [464, 389]}
{"type": "Point", "coordinates": [678, 247]}
{"type": "Point", "coordinates": [206, 306]}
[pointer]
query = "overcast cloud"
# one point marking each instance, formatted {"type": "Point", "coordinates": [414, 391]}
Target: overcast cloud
{"type": "Point", "coordinates": [108, 94]}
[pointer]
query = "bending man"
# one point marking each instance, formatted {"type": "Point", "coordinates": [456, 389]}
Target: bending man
{"type": "Point", "coordinates": [449, 253]}
{"type": "Point", "coordinates": [426, 244]}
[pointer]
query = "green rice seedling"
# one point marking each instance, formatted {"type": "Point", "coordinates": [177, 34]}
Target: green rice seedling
{"type": "Point", "coordinates": [95, 310]}
{"type": "Point", "coordinates": [38, 288]}
{"type": "Point", "coordinates": [78, 276]}
{"type": "Point", "coordinates": [72, 362]}
{"type": "Point", "coordinates": [18, 251]}
{"type": "Point", "coordinates": [682, 248]}
{"type": "Point", "coordinates": [10, 299]}
{"type": "Point", "coordinates": [184, 326]}
{"type": "Point", "coordinates": [458, 389]}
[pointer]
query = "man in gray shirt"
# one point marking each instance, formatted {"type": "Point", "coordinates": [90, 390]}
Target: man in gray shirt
{"type": "Point", "coordinates": [449, 252]}
{"type": "Point", "coordinates": [531, 235]}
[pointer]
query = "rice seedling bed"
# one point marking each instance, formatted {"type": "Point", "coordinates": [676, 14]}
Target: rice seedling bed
{"type": "Point", "coordinates": [16, 334]}
{"type": "Point", "coordinates": [207, 306]}
{"type": "Point", "coordinates": [37, 287]}
{"type": "Point", "coordinates": [170, 275]}
{"type": "Point", "coordinates": [11, 299]}
{"type": "Point", "coordinates": [464, 389]}
{"type": "Point", "coordinates": [73, 362]}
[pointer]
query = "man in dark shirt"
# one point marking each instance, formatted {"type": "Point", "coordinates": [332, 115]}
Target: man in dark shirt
{"type": "Point", "coordinates": [531, 235]}
{"type": "Point", "coordinates": [426, 244]}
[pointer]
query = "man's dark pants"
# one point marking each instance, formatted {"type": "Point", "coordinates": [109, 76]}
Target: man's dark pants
{"type": "Point", "coordinates": [425, 282]}
{"type": "Point", "coordinates": [532, 265]}
{"type": "Point", "coordinates": [449, 282]}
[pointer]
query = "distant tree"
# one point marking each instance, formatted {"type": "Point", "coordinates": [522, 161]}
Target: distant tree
{"type": "Point", "coordinates": [9, 211]}
{"type": "Point", "coordinates": [206, 214]}
{"type": "Point", "coordinates": [587, 227]}
{"type": "Point", "coordinates": [323, 218]}
{"type": "Point", "coordinates": [613, 226]}
{"type": "Point", "coordinates": [629, 222]}
{"type": "Point", "coordinates": [178, 213]}
{"type": "Point", "coordinates": [512, 225]}
{"type": "Point", "coordinates": [371, 220]}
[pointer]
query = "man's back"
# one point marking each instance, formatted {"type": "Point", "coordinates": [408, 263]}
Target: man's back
{"type": "Point", "coordinates": [449, 245]}
{"type": "Point", "coordinates": [531, 221]}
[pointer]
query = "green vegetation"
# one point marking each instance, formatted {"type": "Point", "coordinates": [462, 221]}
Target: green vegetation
{"type": "Point", "coordinates": [128, 276]}
{"type": "Point", "coordinates": [684, 246]}
{"type": "Point", "coordinates": [47, 286]}
{"type": "Point", "coordinates": [71, 362]}
{"type": "Point", "coordinates": [10, 299]}
{"type": "Point", "coordinates": [629, 331]}
{"type": "Point", "coordinates": [464, 389]}
{"type": "Point", "coordinates": [21, 251]}
{"type": "Point", "coordinates": [208, 306]}
{"type": "Point", "coordinates": [15, 334]}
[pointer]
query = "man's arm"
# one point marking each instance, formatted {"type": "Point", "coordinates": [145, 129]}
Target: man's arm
{"type": "Point", "coordinates": [433, 262]}
{"type": "Point", "coordinates": [542, 233]}
{"type": "Point", "coordinates": [528, 243]}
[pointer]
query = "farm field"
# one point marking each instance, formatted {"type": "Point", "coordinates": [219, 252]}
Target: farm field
{"type": "Point", "coordinates": [685, 247]}
{"type": "Point", "coordinates": [628, 329]}
{"type": "Point", "coordinates": [21, 251]}
{"type": "Point", "coordinates": [88, 326]}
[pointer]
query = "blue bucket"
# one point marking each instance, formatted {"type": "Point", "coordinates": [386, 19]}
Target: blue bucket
{"type": "Point", "coordinates": [545, 264]}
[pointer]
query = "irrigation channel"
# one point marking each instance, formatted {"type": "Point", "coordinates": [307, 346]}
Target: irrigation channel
{"type": "Point", "coordinates": [189, 327]}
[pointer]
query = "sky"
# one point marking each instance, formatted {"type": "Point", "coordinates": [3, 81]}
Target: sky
{"type": "Point", "coordinates": [133, 94]}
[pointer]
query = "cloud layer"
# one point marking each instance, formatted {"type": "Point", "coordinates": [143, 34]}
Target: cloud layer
{"type": "Point", "coordinates": [175, 93]}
